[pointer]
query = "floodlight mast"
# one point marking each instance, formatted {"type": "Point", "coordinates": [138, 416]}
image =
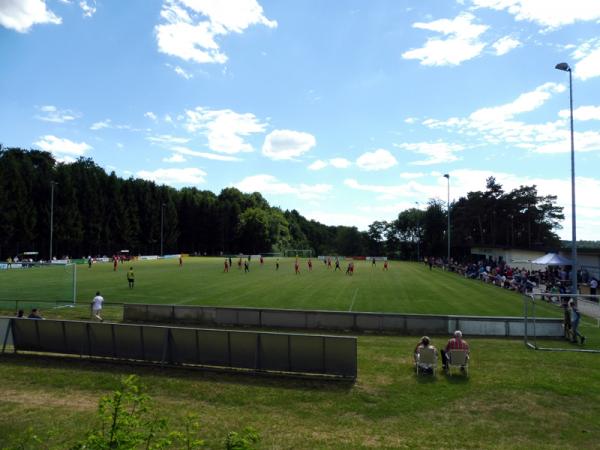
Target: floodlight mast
{"type": "Point", "coordinates": [162, 222]}
{"type": "Point", "coordinates": [566, 68]}
{"type": "Point", "coordinates": [447, 176]}
{"type": "Point", "coordinates": [52, 184]}
{"type": "Point", "coordinates": [418, 232]}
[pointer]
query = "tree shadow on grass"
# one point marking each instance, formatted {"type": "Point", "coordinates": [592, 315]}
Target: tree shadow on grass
{"type": "Point", "coordinates": [181, 372]}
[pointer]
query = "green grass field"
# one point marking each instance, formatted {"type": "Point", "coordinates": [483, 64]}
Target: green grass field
{"type": "Point", "coordinates": [514, 397]}
{"type": "Point", "coordinates": [406, 287]}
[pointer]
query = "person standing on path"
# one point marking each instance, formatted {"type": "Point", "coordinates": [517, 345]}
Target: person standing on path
{"type": "Point", "coordinates": [97, 306]}
{"type": "Point", "coordinates": [575, 317]}
{"type": "Point", "coordinates": [130, 277]}
{"type": "Point", "coordinates": [593, 287]}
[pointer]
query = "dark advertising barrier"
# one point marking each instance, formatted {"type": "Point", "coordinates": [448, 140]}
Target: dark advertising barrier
{"type": "Point", "coordinates": [333, 356]}
{"type": "Point", "coordinates": [407, 324]}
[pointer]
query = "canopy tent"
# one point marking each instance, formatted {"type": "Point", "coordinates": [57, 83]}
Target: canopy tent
{"type": "Point", "coordinates": [552, 259]}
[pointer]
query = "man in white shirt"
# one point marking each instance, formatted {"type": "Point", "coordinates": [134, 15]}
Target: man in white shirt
{"type": "Point", "coordinates": [97, 306]}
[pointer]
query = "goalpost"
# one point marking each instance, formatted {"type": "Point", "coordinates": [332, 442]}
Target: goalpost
{"type": "Point", "coordinates": [38, 282]}
{"type": "Point", "coordinates": [590, 318]}
{"type": "Point", "coordinates": [300, 252]}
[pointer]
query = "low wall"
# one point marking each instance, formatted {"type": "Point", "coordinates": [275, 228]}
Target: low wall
{"type": "Point", "coordinates": [254, 351]}
{"type": "Point", "coordinates": [408, 324]}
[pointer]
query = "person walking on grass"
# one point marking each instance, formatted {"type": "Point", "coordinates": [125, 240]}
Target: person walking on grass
{"type": "Point", "coordinates": [97, 306]}
{"type": "Point", "coordinates": [130, 277]}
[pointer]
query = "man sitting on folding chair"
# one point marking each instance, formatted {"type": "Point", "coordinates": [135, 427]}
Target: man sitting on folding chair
{"type": "Point", "coordinates": [456, 344]}
{"type": "Point", "coordinates": [425, 356]}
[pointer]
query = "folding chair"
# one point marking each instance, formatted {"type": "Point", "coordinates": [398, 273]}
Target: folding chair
{"type": "Point", "coordinates": [426, 360]}
{"type": "Point", "coordinates": [458, 358]}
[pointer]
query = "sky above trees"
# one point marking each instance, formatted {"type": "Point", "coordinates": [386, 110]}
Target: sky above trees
{"type": "Point", "coordinates": [349, 112]}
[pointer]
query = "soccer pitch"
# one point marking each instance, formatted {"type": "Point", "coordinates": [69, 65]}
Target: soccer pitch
{"type": "Point", "coordinates": [404, 288]}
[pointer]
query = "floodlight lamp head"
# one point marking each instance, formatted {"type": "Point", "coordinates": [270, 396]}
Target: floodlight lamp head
{"type": "Point", "coordinates": [446, 175]}
{"type": "Point", "coordinates": [563, 66]}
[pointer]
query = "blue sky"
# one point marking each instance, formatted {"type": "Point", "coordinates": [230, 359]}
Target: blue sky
{"type": "Point", "coordinates": [348, 111]}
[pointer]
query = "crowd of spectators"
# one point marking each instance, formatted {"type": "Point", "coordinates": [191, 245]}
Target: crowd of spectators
{"type": "Point", "coordinates": [550, 282]}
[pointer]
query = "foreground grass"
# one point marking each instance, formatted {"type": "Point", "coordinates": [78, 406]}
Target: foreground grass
{"type": "Point", "coordinates": [514, 398]}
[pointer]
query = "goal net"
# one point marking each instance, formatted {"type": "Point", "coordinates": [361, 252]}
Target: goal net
{"type": "Point", "coordinates": [31, 283]}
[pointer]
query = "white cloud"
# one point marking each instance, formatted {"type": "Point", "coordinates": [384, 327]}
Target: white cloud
{"type": "Point", "coordinates": [338, 163]}
{"type": "Point", "coordinates": [21, 15]}
{"type": "Point", "coordinates": [49, 113]}
{"type": "Point", "coordinates": [100, 125]}
{"type": "Point", "coordinates": [546, 13]}
{"type": "Point", "coordinates": [496, 126]}
{"type": "Point", "coordinates": [183, 73]}
{"type": "Point", "coordinates": [411, 175]}
{"type": "Point", "coordinates": [167, 139]}
{"type": "Point", "coordinates": [88, 7]}
{"type": "Point", "coordinates": [585, 141]}
{"type": "Point", "coordinates": [318, 165]}
{"type": "Point", "coordinates": [270, 185]}
{"type": "Point", "coordinates": [462, 41]}
{"type": "Point", "coordinates": [120, 145]}
{"type": "Point", "coordinates": [380, 159]}
{"type": "Point", "coordinates": [190, 176]}
{"type": "Point", "coordinates": [190, 27]}
{"type": "Point", "coordinates": [526, 102]}
{"type": "Point", "coordinates": [582, 113]}
{"type": "Point", "coordinates": [588, 56]}
{"type": "Point", "coordinates": [107, 123]}
{"type": "Point", "coordinates": [411, 189]}
{"type": "Point", "coordinates": [214, 156]}
{"type": "Point", "coordinates": [505, 45]}
{"type": "Point", "coordinates": [436, 152]}
{"type": "Point", "coordinates": [175, 158]}
{"type": "Point", "coordinates": [150, 115]}
{"type": "Point", "coordinates": [225, 129]}
{"type": "Point", "coordinates": [62, 146]}
{"type": "Point", "coordinates": [287, 144]}
{"type": "Point", "coordinates": [410, 120]}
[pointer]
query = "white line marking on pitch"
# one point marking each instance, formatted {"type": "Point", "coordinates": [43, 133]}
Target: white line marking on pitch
{"type": "Point", "coordinates": [353, 298]}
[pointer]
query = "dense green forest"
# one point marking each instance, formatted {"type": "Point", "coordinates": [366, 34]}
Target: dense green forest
{"type": "Point", "coordinates": [96, 213]}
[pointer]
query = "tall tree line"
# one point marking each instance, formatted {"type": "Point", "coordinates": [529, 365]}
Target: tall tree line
{"type": "Point", "coordinates": [96, 213]}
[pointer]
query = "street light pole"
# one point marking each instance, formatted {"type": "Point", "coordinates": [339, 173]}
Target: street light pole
{"type": "Point", "coordinates": [418, 233]}
{"type": "Point", "coordinates": [447, 176]}
{"type": "Point", "coordinates": [566, 68]}
{"type": "Point", "coordinates": [162, 221]}
{"type": "Point", "coordinates": [52, 184]}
